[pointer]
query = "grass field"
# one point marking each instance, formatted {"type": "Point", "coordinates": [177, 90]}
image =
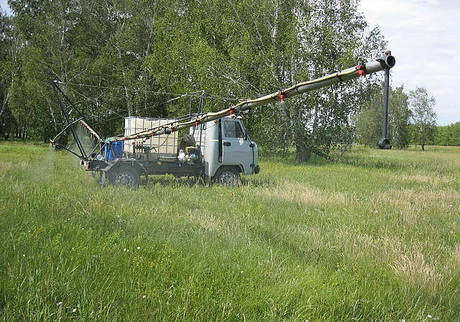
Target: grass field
{"type": "Point", "coordinates": [374, 237]}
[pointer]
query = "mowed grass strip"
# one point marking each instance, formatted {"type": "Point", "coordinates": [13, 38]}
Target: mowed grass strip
{"type": "Point", "coordinates": [372, 237]}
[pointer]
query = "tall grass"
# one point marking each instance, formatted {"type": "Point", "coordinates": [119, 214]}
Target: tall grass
{"type": "Point", "coordinates": [373, 237]}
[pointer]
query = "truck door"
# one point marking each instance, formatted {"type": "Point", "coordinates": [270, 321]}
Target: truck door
{"type": "Point", "coordinates": [236, 147]}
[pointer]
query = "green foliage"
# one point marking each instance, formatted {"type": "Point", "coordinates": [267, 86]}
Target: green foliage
{"type": "Point", "coordinates": [7, 121]}
{"type": "Point", "coordinates": [423, 116]}
{"type": "Point", "coordinates": [120, 58]}
{"type": "Point", "coordinates": [374, 238]}
{"type": "Point", "coordinates": [448, 135]}
{"type": "Point", "coordinates": [399, 118]}
{"type": "Point", "coordinates": [369, 120]}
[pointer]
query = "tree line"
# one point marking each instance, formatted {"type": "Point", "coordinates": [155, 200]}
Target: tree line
{"type": "Point", "coordinates": [166, 58]}
{"type": "Point", "coordinates": [412, 120]}
{"type": "Point", "coordinates": [448, 135]}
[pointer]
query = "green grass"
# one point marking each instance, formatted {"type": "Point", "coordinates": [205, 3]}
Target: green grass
{"type": "Point", "coordinates": [374, 237]}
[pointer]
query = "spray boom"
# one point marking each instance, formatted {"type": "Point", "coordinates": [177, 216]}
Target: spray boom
{"type": "Point", "coordinates": [385, 62]}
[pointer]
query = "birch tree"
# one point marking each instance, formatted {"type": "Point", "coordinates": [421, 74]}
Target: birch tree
{"type": "Point", "coordinates": [423, 116]}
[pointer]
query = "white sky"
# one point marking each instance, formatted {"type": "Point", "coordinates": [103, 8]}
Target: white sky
{"type": "Point", "coordinates": [4, 5]}
{"type": "Point", "coordinates": [424, 36]}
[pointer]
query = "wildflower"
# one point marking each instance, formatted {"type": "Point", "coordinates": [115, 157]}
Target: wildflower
{"type": "Point", "coordinates": [138, 247]}
{"type": "Point", "coordinates": [59, 303]}
{"type": "Point", "coordinates": [74, 310]}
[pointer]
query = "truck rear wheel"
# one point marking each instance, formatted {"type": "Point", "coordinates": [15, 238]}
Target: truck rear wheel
{"type": "Point", "coordinates": [124, 176]}
{"type": "Point", "coordinates": [227, 176]}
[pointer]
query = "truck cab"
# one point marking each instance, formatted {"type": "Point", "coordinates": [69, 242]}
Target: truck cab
{"type": "Point", "coordinates": [226, 149]}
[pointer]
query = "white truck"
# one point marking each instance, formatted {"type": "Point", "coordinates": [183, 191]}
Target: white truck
{"type": "Point", "coordinates": [216, 148]}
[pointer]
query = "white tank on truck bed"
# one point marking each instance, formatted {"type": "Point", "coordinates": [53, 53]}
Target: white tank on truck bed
{"type": "Point", "coordinates": [165, 144]}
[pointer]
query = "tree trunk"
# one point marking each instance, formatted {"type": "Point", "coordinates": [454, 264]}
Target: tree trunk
{"type": "Point", "coordinates": [302, 153]}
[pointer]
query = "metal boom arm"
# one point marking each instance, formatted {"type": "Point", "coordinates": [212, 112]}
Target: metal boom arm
{"type": "Point", "coordinates": [386, 62]}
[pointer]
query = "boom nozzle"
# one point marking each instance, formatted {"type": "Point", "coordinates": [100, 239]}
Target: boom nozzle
{"type": "Point", "coordinates": [387, 60]}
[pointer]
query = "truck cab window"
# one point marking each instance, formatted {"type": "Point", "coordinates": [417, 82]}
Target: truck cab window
{"type": "Point", "coordinates": [233, 130]}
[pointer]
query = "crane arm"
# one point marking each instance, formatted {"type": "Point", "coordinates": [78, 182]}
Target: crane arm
{"type": "Point", "coordinates": [385, 62]}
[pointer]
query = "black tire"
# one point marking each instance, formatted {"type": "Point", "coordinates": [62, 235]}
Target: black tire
{"type": "Point", "coordinates": [124, 176]}
{"type": "Point", "coordinates": [228, 176]}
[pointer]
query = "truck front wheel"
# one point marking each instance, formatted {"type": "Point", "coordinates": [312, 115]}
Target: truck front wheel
{"type": "Point", "coordinates": [227, 176]}
{"type": "Point", "coordinates": [124, 176]}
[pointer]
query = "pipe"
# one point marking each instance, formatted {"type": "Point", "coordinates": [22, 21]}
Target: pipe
{"type": "Point", "coordinates": [384, 142]}
{"type": "Point", "coordinates": [385, 62]}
